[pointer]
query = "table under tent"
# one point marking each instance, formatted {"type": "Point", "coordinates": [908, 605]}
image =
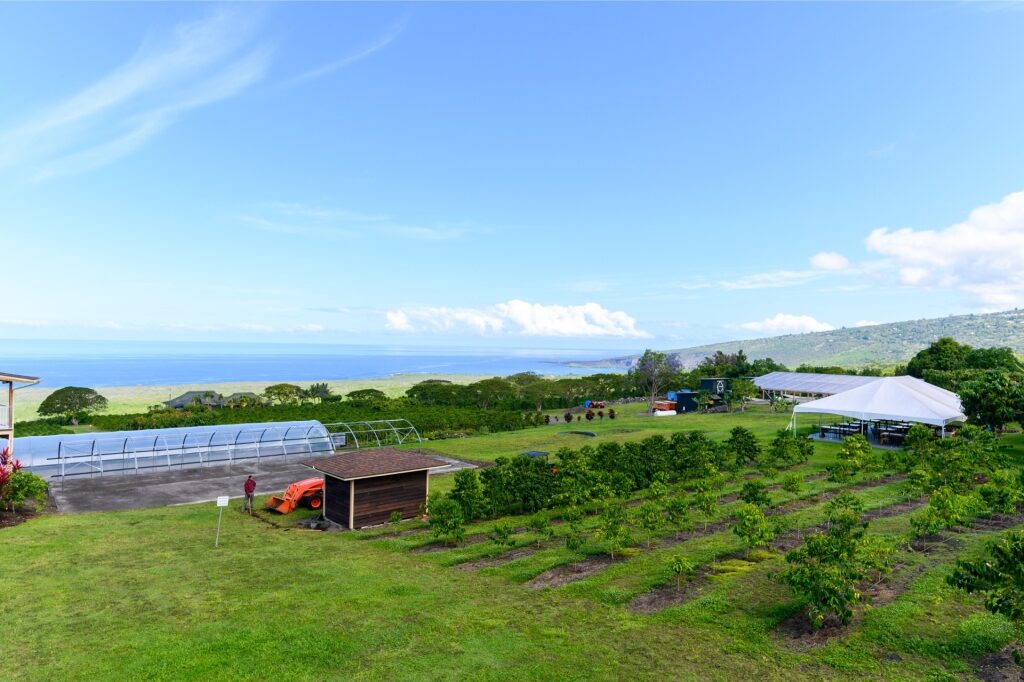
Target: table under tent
{"type": "Point", "coordinates": [884, 410]}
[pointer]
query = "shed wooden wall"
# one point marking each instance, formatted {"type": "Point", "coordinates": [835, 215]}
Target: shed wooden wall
{"type": "Point", "coordinates": [336, 503]}
{"type": "Point", "coordinates": [377, 498]}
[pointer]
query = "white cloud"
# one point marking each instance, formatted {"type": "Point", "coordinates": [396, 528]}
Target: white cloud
{"type": "Point", "coordinates": [310, 327]}
{"type": "Point", "coordinates": [865, 323]}
{"type": "Point", "coordinates": [195, 65]}
{"type": "Point", "coordinates": [830, 261]}
{"type": "Point", "coordinates": [784, 323]}
{"type": "Point", "coordinates": [517, 317]}
{"type": "Point", "coordinates": [398, 321]}
{"type": "Point", "coordinates": [981, 256]}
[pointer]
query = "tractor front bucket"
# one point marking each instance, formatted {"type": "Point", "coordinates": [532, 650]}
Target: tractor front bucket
{"type": "Point", "coordinates": [280, 504]}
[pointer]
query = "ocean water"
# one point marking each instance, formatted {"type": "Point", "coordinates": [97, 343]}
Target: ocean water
{"type": "Point", "coordinates": [97, 364]}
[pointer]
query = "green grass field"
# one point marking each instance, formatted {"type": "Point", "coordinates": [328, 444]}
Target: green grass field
{"type": "Point", "coordinates": [144, 595]}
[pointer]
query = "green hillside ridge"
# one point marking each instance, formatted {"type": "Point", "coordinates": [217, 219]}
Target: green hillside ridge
{"type": "Point", "coordinates": [881, 344]}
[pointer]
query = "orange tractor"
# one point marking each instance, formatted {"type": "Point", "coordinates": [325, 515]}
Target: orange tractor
{"type": "Point", "coordinates": [309, 491]}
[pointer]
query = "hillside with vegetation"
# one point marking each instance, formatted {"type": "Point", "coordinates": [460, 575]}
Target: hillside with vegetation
{"type": "Point", "coordinates": [876, 345]}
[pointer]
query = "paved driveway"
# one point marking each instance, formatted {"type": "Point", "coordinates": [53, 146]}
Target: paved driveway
{"type": "Point", "coordinates": [178, 486]}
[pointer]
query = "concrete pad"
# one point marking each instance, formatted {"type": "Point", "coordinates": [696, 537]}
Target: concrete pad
{"type": "Point", "coordinates": [179, 486]}
{"type": "Point", "coordinates": [156, 488]}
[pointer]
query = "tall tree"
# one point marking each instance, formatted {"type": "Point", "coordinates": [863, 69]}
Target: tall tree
{"type": "Point", "coordinates": [653, 371]}
{"type": "Point", "coordinates": [283, 393]}
{"type": "Point", "coordinates": [72, 402]}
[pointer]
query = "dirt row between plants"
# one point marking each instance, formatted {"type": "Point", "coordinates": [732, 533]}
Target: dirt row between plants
{"type": "Point", "coordinates": [443, 546]}
{"type": "Point", "coordinates": [559, 575]}
{"type": "Point", "coordinates": [664, 596]}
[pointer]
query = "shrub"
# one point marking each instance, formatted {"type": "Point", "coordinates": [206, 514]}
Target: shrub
{"type": "Point", "coordinates": [756, 493]}
{"type": "Point", "coordinates": [744, 446]}
{"type": "Point", "coordinates": [786, 450]}
{"type": "Point", "coordinates": [793, 483]}
{"type": "Point", "coordinates": [1002, 493]}
{"type": "Point", "coordinates": [502, 534]}
{"type": "Point", "coordinates": [997, 576]}
{"type": "Point", "coordinates": [468, 494]}
{"type": "Point", "coordinates": [680, 567]}
{"type": "Point", "coordinates": [21, 486]}
{"type": "Point", "coordinates": [753, 527]}
{"type": "Point", "coordinates": [612, 528]}
{"type": "Point", "coordinates": [651, 518]}
{"type": "Point", "coordinates": [707, 504]}
{"type": "Point", "coordinates": [541, 525]}
{"type": "Point", "coordinates": [825, 571]}
{"type": "Point", "coordinates": [446, 520]}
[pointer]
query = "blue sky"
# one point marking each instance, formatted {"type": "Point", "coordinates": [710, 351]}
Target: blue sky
{"type": "Point", "coordinates": [540, 175]}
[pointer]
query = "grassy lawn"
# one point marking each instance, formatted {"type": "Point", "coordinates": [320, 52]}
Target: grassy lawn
{"type": "Point", "coordinates": [145, 595]}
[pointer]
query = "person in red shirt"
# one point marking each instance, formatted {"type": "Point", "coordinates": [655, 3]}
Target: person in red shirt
{"type": "Point", "coordinates": [250, 490]}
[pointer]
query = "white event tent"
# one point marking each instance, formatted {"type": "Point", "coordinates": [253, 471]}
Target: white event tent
{"type": "Point", "coordinates": [901, 398]}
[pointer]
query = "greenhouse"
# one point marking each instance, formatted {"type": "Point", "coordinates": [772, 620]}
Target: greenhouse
{"type": "Point", "coordinates": [127, 451]}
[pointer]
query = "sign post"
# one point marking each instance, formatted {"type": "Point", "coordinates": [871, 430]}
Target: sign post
{"type": "Point", "coordinates": [222, 501]}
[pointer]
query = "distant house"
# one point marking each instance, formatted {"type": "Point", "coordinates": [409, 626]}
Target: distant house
{"type": "Point", "coordinates": [204, 398]}
{"type": "Point", "coordinates": [243, 398]}
{"type": "Point", "coordinates": [7, 382]}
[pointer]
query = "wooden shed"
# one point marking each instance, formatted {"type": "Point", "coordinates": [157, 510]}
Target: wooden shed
{"type": "Point", "coordinates": [365, 487]}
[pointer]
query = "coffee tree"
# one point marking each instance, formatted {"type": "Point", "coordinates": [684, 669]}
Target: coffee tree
{"type": "Point", "coordinates": [743, 444]}
{"type": "Point", "coordinates": [753, 527]}
{"type": "Point", "coordinates": [826, 569]}
{"type": "Point", "coordinates": [755, 492]}
{"type": "Point", "coordinates": [612, 528]}
{"type": "Point", "coordinates": [998, 577]}
{"type": "Point", "coordinates": [446, 520]}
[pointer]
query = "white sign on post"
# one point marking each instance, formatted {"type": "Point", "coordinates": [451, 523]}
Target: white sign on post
{"type": "Point", "coordinates": [222, 501]}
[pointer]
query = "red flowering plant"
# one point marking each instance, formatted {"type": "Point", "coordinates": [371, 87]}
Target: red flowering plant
{"type": "Point", "coordinates": [17, 485]}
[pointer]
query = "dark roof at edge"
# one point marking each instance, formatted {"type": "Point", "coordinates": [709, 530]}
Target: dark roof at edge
{"type": "Point", "coordinates": [371, 463]}
{"type": "Point", "coordinates": [18, 378]}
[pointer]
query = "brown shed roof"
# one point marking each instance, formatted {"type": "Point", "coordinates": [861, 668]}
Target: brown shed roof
{"type": "Point", "coordinates": [371, 463]}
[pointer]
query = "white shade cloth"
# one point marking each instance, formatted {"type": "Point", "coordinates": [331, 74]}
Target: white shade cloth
{"type": "Point", "coordinates": [901, 398]}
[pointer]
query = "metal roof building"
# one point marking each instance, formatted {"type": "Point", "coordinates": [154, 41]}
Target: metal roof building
{"type": "Point", "coordinates": [810, 384]}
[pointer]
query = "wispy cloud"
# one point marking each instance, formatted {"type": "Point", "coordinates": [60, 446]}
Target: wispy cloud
{"type": "Point", "coordinates": [279, 227]}
{"type": "Point", "coordinates": [771, 280]}
{"type": "Point", "coordinates": [388, 37]}
{"type": "Point", "coordinates": [196, 64]}
{"type": "Point", "coordinates": [320, 221]}
{"type": "Point", "coordinates": [883, 151]}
